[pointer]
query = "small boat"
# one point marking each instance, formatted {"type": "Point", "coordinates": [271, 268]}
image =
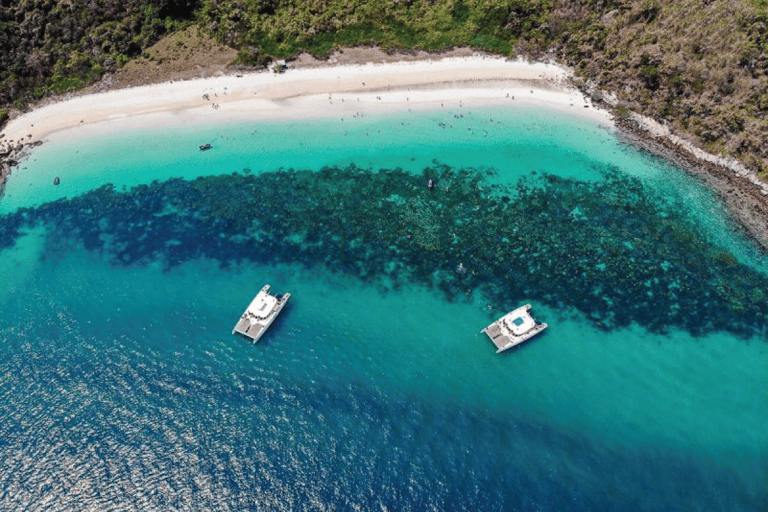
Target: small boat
{"type": "Point", "coordinates": [205, 146]}
{"type": "Point", "coordinates": [260, 314]}
{"type": "Point", "coordinates": [513, 328]}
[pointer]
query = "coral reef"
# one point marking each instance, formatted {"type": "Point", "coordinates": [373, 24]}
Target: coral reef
{"type": "Point", "coordinates": [612, 249]}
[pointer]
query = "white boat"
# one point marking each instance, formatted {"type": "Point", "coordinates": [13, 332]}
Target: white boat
{"type": "Point", "coordinates": [513, 328]}
{"type": "Point", "coordinates": [260, 314]}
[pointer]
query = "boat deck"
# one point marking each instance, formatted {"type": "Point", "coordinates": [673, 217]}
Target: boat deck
{"type": "Point", "coordinates": [245, 328]}
{"type": "Point", "coordinates": [504, 342]}
{"type": "Point", "coordinates": [497, 337]}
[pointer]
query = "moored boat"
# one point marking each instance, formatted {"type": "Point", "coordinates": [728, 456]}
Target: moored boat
{"type": "Point", "coordinates": [513, 328]}
{"type": "Point", "coordinates": [260, 314]}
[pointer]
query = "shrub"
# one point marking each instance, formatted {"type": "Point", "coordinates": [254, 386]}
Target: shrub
{"type": "Point", "coordinates": [121, 60]}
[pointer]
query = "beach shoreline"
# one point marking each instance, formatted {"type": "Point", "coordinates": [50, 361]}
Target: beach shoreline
{"type": "Point", "coordinates": [310, 93]}
{"type": "Point", "coordinates": [315, 89]}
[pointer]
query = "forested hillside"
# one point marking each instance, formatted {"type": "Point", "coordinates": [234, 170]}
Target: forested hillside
{"type": "Point", "coordinates": [698, 65]}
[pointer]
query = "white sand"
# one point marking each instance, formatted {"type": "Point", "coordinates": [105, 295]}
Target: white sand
{"type": "Point", "coordinates": [318, 92]}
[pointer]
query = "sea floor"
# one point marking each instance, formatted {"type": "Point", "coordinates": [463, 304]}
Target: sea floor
{"type": "Point", "coordinates": [121, 386]}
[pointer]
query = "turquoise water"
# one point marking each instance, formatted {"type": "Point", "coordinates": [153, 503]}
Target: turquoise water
{"type": "Point", "coordinates": [122, 388]}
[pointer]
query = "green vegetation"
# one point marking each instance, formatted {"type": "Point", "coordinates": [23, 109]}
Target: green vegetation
{"type": "Point", "coordinates": [699, 67]}
{"type": "Point", "coordinates": [54, 47]}
{"type": "Point", "coordinates": [282, 29]}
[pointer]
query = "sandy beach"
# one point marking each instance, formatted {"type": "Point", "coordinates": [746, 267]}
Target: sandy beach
{"type": "Point", "coordinates": [349, 87]}
{"type": "Point", "coordinates": [341, 90]}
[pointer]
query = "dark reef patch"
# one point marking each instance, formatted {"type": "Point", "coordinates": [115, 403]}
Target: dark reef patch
{"type": "Point", "coordinates": [610, 249]}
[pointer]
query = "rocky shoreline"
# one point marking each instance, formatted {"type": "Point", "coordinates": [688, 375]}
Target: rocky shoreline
{"type": "Point", "coordinates": [11, 153]}
{"type": "Point", "coordinates": [744, 196]}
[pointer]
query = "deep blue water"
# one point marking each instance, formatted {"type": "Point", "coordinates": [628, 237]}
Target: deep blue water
{"type": "Point", "coordinates": [121, 387]}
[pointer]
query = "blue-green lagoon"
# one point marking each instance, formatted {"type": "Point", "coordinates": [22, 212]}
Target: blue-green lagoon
{"type": "Point", "coordinates": [122, 387]}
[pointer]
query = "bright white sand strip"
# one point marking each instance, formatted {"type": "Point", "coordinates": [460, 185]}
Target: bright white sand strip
{"type": "Point", "coordinates": [316, 92]}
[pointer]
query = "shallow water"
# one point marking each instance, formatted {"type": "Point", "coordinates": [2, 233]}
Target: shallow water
{"type": "Point", "coordinates": [121, 386]}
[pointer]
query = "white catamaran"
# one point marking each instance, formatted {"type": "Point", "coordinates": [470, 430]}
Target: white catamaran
{"type": "Point", "coordinates": [260, 314]}
{"type": "Point", "coordinates": [513, 328]}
